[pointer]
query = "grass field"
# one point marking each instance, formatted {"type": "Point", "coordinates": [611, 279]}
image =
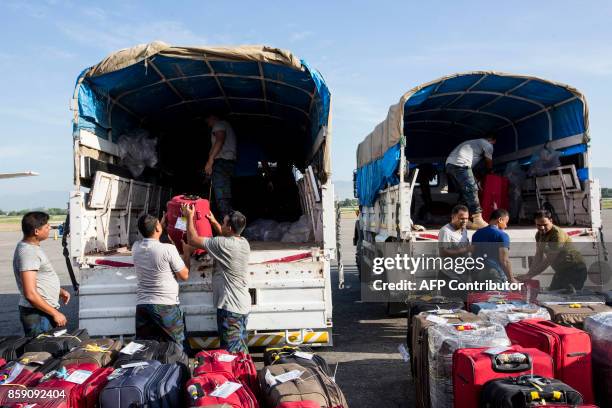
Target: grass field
{"type": "Point", "coordinates": [606, 203]}
{"type": "Point", "coordinates": [9, 224]}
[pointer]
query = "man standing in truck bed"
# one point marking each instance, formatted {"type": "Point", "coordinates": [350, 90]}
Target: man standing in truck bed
{"type": "Point", "coordinates": [221, 162]}
{"type": "Point", "coordinates": [459, 168]}
{"type": "Point", "coordinates": [230, 286]}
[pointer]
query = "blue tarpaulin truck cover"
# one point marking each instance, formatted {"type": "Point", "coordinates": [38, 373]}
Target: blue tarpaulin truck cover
{"type": "Point", "coordinates": [155, 83]}
{"type": "Point", "coordinates": [430, 120]}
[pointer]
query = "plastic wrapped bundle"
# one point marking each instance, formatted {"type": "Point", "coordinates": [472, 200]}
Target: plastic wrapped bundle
{"type": "Point", "coordinates": [599, 326]}
{"type": "Point", "coordinates": [443, 341]}
{"type": "Point", "coordinates": [544, 161]}
{"type": "Point", "coordinates": [137, 151]}
{"type": "Point", "coordinates": [257, 230]}
{"type": "Point", "coordinates": [508, 313]}
{"type": "Point", "coordinates": [516, 176]}
{"type": "Point", "coordinates": [299, 231]}
{"type": "Point", "coordinates": [277, 233]}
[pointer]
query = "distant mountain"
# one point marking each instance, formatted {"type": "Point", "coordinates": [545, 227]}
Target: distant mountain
{"type": "Point", "coordinates": [343, 189]}
{"type": "Point", "coordinates": [41, 199]}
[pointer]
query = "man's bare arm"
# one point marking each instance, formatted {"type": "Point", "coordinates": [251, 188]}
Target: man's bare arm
{"type": "Point", "coordinates": [506, 265]}
{"type": "Point", "coordinates": [193, 239]}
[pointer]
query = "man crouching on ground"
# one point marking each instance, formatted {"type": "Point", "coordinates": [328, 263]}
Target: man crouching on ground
{"type": "Point", "coordinates": [229, 281]}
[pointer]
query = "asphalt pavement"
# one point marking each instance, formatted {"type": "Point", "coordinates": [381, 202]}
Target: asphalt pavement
{"type": "Point", "coordinates": [370, 370]}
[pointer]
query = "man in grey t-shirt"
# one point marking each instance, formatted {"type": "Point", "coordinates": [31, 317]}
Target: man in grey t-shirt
{"type": "Point", "coordinates": [459, 165]}
{"type": "Point", "coordinates": [36, 279]}
{"type": "Point", "coordinates": [158, 266]}
{"type": "Point", "coordinates": [231, 295]}
{"type": "Point", "coordinates": [221, 162]}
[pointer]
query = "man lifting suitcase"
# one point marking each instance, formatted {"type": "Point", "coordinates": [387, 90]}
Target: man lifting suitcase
{"type": "Point", "coordinates": [221, 162]}
{"type": "Point", "coordinates": [230, 287]}
{"type": "Point", "coordinates": [459, 168]}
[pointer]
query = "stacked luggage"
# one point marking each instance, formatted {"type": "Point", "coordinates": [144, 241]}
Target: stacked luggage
{"type": "Point", "coordinates": [600, 328]}
{"type": "Point", "coordinates": [420, 346]}
{"type": "Point", "coordinates": [443, 340]}
{"type": "Point", "coordinates": [221, 378]}
{"type": "Point", "coordinates": [505, 313]}
{"type": "Point", "coordinates": [508, 353]}
{"type": "Point", "coordinates": [147, 373]}
{"type": "Point", "coordinates": [294, 378]}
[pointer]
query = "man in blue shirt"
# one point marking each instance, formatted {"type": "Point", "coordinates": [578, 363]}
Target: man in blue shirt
{"type": "Point", "coordinates": [493, 244]}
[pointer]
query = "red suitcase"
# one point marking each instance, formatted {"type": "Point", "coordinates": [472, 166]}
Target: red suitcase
{"type": "Point", "coordinates": [84, 395]}
{"type": "Point", "coordinates": [494, 195]}
{"type": "Point", "coordinates": [238, 365]}
{"type": "Point", "coordinates": [570, 349]}
{"type": "Point", "coordinates": [473, 367]}
{"type": "Point", "coordinates": [173, 215]}
{"type": "Point", "coordinates": [200, 387]}
{"type": "Point", "coordinates": [492, 297]}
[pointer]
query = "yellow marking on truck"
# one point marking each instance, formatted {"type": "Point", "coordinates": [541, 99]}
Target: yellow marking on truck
{"type": "Point", "coordinates": [262, 340]}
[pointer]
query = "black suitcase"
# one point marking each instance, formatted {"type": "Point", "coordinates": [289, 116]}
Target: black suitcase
{"type": "Point", "coordinates": [152, 385]}
{"type": "Point", "coordinates": [426, 303]}
{"type": "Point", "coordinates": [164, 352]}
{"type": "Point", "coordinates": [527, 391]}
{"type": "Point", "coordinates": [12, 348]}
{"type": "Point", "coordinates": [57, 344]}
{"type": "Point", "coordinates": [305, 357]}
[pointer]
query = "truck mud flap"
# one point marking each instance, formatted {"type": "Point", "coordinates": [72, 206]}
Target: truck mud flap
{"type": "Point", "coordinates": [66, 253]}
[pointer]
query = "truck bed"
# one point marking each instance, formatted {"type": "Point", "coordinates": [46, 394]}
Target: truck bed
{"type": "Point", "coordinates": [517, 233]}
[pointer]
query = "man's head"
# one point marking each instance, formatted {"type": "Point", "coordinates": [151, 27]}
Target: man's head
{"type": "Point", "coordinates": [460, 216]}
{"type": "Point", "coordinates": [35, 224]}
{"type": "Point", "coordinates": [500, 218]}
{"type": "Point", "coordinates": [233, 224]}
{"type": "Point", "coordinates": [492, 139]}
{"type": "Point", "coordinates": [543, 221]}
{"type": "Point", "coordinates": [149, 226]}
{"type": "Point", "coordinates": [212, 119]}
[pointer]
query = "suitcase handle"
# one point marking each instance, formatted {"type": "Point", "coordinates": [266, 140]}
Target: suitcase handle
{"type": "Point", "coordinates": [511, 364]}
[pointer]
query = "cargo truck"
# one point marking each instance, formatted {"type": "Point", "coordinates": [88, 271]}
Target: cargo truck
{"type": "Point", "coordinates": [526, 114]}
{"type": "Point", "coordinates": [279, 108]}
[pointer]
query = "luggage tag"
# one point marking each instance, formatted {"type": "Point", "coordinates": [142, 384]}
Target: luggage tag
{"type": "Point", "coordinates": [181, 224]}
{"type": "Point", "coordinates": [436, 319]}
{"type": "Point", "coordinates": [226, 389]}
{"type": "Point", "coordinates": [15, 371]}
{"type": "Point", "coordinates": [270, 379]}
{"type": "Point", "coordinates": [79, 376]}
{"type": "Point", "coordinates": [60, 333]}
{"type": "Point", "coordinates": [302, 354]}
{"type": "Point", "coordinates": [289, 376]}
{"type": "Point", "coordinates": [136, 364]}
{"type": "Point", "coordinates": [132, 348]}
{"type": "Point", "coordinates": [225, 358]}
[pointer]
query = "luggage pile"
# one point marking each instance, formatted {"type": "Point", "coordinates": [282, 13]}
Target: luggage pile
{"type": "Point", "coordinates": [507, 352]}
{"type": "Point", "coordinates": [80, 372]}
{"type": "Point", "coordinates": [297, 378]}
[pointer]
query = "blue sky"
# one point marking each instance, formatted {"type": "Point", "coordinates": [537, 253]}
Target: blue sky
{"type": "Point", "coordinates": [369, 53]}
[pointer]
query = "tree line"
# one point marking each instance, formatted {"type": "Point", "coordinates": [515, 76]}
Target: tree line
{"type": "Point", "coordinates": [50, 211]}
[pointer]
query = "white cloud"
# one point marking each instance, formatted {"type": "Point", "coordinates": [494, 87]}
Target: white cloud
{"type": "Point", "coordinates": [127, 35]}
{"type": "Point", "coordinates": [300, 35]}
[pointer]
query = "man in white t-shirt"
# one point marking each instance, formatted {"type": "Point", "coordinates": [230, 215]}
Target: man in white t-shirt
{"type": "Point", "coordinates": [459, 165]}
{"type": "Point", "coordinates": [158, 267]}
{"type": "Point", "coordinates": [453, 241]}
{"type": "Point", "coordinates": [221, 162]}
